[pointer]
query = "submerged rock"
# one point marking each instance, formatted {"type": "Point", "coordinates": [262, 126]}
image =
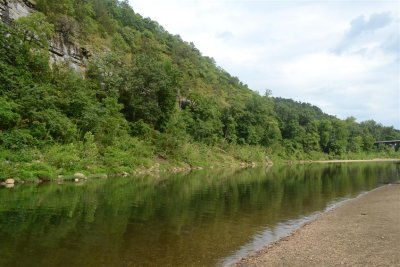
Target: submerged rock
{"type": "Point", "coordinates": [102, 176]}
{"type": "Point", "coordinates": [123, 174]}
{"type": "Point", "coordinates": [9, 185]}
{"type": "Point", "coordinates": [98, 176]}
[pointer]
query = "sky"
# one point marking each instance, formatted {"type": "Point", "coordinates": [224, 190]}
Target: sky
{"type": "Point", "coordinates": [340, 55]}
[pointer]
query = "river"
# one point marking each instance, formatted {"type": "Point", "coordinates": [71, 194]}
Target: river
{"type": "Point", "coordinates": [205, 218]}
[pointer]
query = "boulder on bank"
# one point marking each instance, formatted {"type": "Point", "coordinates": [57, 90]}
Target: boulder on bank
{"type": "Point", "coordinates": [10, 181]}
{"type": "Point", "coordinates": [79, 176]}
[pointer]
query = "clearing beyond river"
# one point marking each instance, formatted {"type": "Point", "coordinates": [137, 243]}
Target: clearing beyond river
{"type": "Point", "coordinates": [362, 232]}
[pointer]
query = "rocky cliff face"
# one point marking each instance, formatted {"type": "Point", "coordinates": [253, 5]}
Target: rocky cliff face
{"type": "Point", "coordinates": [60, 49]}
{"type": "Point", "coordinates": [13, 9]}
{"type": "Point", "coordinates": [72, 54]}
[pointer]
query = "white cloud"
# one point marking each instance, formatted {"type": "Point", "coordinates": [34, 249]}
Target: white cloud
{"type": "Point", "coordinates": [340, 55]}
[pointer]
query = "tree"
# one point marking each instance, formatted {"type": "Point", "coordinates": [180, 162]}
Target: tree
{"type": "Point", "coordinates": [35, 30]}
{"type": "Point", "coordinates": [151, 91]}
{"type": "Point", "coordinates": [229, 125]}
{"type": "Point", "coordinates": [339, 138]}
{"type": "Point", "coordinates": [255, 122]}
{"type": "Point", "coordinates": [54, 8]}
{"type": "Point", "coordinates": [202, 118]}
{"type": "Point", "coordinates": [325, 130]}
{"type": "Point", "coordinates": [68, 27]}
{"type": "Point", "coordinates": [355, 144]}
{"type": "Point", "coordinates": [8, 115]}
{"type": "Point", "coordinates": [368, 142]}
{"type": "Point", "coordinates": [272, 134]}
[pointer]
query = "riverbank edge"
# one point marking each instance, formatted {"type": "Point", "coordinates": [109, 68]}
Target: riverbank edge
{"type": "Point", "coordinates": [349, 160]}
{"type": "Point", "coordinates": [260, 257]}
{"type": "Point", "coordinates": [155, 171]}
{"type": "Point", "coordinates": [169, 168]}
{"type": "Point", "coordinates": [41, 165]}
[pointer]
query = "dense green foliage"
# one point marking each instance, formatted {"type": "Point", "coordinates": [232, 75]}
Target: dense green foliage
{"type": "Point", "coordinates": [147, 95]}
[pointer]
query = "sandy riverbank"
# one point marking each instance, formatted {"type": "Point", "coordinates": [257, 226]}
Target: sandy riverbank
{"type": "Point", "coordinates": [361, 232]}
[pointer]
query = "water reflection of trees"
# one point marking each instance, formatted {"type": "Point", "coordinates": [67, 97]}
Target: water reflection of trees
{"type": "Point", "coordinates": [117, 221]}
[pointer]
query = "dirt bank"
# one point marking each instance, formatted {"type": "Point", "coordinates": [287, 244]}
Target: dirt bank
{"type": "Point", "coordinates": [362, 232]}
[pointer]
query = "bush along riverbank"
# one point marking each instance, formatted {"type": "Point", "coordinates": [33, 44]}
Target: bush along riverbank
{"type": "Point", "coordinates": [130, 156]}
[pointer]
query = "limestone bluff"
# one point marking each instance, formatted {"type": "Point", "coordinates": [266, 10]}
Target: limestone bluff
{"type": "Point", "coordinates": [60, 49]}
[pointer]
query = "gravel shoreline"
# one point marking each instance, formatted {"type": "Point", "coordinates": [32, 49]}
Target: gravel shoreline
{"type": "Point", "coordinates": [362, 232]}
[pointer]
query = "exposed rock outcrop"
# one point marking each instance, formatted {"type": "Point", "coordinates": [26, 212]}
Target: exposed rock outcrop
{"type": "Point", "coordinates": [14, 9]}
{"type": "Point", "coordinates": [61, 50]}
{"type": "Point", "coordinates": [70, 53]}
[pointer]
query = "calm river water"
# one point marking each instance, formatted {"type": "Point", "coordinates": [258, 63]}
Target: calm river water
{"type": "Point", "coordinates": [201, 219]}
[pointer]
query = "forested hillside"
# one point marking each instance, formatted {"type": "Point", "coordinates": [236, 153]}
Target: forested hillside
{"type": "Point", "coordinates": [145, 97]}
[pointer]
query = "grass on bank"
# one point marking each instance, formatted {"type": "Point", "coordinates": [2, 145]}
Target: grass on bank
{"type": "Point", "coordinates": [134, 156]}
{"type": "Point", "coordinates": [127, 155]}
